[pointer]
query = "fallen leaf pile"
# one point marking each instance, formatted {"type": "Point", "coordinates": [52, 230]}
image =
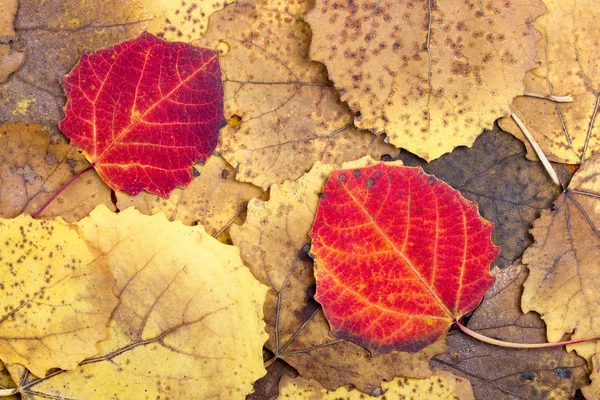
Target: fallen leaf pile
{"type": "Point", "coordinates": [299, 199]}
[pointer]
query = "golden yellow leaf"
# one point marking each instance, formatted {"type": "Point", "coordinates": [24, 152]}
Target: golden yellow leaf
{"type": "Point", "coordinates": [55, 295]}
{"type": "Point", "coordinates": [53, 34]}
{"type": "Point", "coordinates": [8, 11]}
{"type": "Point", "coordinates": [274, 245]}
{"type": "Point", "coordinates": [440, 386]}
{"type": "Point", "coordinates": [213, 199]}
{"type": "Point", "coordinates": [283, 112]}
{"type": "Point", "coordinates": [592, 391]}
{"type": "Point", "coordinates": [189, 322]}
{"type": "Point", "coordinates": [32, 169]}
{"type": "Point", "coordinates": [431, 75]}
{"type": "Point", "coordinates": [178, 20]}
{"type": "Point", "coordinates": [564, 261]}
{"type": "Point", "coordinates": [566, 132]}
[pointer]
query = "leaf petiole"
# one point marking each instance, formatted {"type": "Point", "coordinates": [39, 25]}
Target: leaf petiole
{"type": "Point", "coordinates": [514, 345]}
{"type": "Point", "coordinates": [8, 392]}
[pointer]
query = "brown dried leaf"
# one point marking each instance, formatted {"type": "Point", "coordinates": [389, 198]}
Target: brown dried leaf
{"type": "Point", "coordinates": [274, 245]}
{"type": "Point", "coordinates": [564, 261]}
{"type": "Point", "coordinates": [509, 190]}
{"type": "Point", "coordinates": [8, 11]}
{"type": "Point", "coordinates": [213, 199]}
{"type": "Point", "coordinates": [52, 34]}
{"type": "Point", "coordinates": [566, 132]}
{"type": "Point", "coordinates": [431, 75]}
{"type": "Point", "coordinates": [32, 169]}
{"type": "Point", "coordinates": [10, 61]}
{"type": "Point", "coordinates": [503, 373]}
{"type": "Point", "coordinates": [283, 113]}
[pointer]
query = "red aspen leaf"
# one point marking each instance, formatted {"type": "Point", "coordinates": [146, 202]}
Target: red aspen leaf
{"type": "Point", "coordinates": [144, 111]}
{"type": "Point", "coordinates": [399, 255]}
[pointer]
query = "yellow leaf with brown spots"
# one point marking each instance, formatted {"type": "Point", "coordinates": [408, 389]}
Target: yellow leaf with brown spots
{"type": "Point", "coordinates": [181, 20]}
{"type": "Point", "coordinates": [32, 169]}
{"type": "Point", "coordinates": [430, 74]}
{"type": "Point", "coordinates": [566, 132]}
{"type": "Point", "coordinates": [214, 199]}
{"type": "Point", "coordinates": [52, 35]}
{"type": "Point", "coordinates": [189, 321]}
{"type": "Point", "coordinates": [283, 112]}
{"type": "Point", "coordinates": [274, 245]}
{"type": "Point", "coordinates": [55, 295]}
{"type": "Point", "coordinates": [564, 262]}
{"type": "Point", "coordinates": [441, 385]}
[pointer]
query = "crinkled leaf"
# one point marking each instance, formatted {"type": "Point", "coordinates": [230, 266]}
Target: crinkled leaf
{"type": "Point", "coordinates": [399, 256]}
{"type": "Point", "coordinates": [283, 112]}
{"type": "Point", "coordinates": [55, 295]}
{"type": "Point", "coordinates": [430, 74]}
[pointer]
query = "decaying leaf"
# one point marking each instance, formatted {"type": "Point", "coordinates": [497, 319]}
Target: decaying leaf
{"type": "Point", "coordinates": [566, 132]}
{"type": "Point", "coordinates": [564, 262]}
{"type": "Point", "coordinates": [56, 295]}
{"type": "Point", "coordinates": [283, 112]}
{"type": "Point", "coordinates": [32, 169]}
{"type": "Point", "coordinates": [431, 75]}
{"type": "Point", "coordinates": [8, 11]}
{"type": "Point", "coordinates": [267, 387]}
{"type": "Point", "coordinates": [511, 374]}
{"type": "Point", "coordinates": [181, 20]}
{"type": "Point", "coordinates": [188, 325]}
{"type": "Point", "coordinates": [213, 199]}
{"type": "Point", "coordinates": [274, 245]}
{"type": "Point", "coordinates": [441, 385]}
{"type": "Point", "coordinates": [509, 190]}
{"type": "Point", "coordinates": [144, 111]}
{"type": "Point", "coordinates": [52, 34]}
{"type": "Point", "coordinates": [399, 256]}
{"type": "Point", "coordinates": [10, 61]}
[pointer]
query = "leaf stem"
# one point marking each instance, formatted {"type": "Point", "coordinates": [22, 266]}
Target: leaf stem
{"type": "Point", "coordinates": [62, 189]}
{"type": "Point", "coordinates": [8, 392]}
{"type": "Point", "coordinates": [551, 97]}
{"type": "Point", "coordinates": [270, 361]}
{"type": "Point", "coordinates": [513, 345]}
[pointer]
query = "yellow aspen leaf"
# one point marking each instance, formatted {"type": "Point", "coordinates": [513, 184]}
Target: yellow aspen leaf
{"type": "Point", "coordinates": [283, 112]}
{"type": "Point", "coordinates": [563, 262]}
{"type": "Point", "coordinates": [182, 21]}
{"type": "Point", "coordinates": [441, 385]}
{"type": "Point", "coordinates": [431, 75]}
{"type": "Point", "coordinates": [566, 132]}
{"type": "Point", "coordinates": [592, 391]}
{"type": "Point", "coordinates": [189, 321]}
{"type": "Point", "coordinates": [213, 199]}
{"type": "Point", "coordinates": [33, 169]}
{"type": "Point", "coordinates": [274, 244]}
{"type": "Point", "coordinates": [56, 295]}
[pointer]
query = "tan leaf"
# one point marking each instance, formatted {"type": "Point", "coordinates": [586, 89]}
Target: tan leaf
{"type": "Point", "coordinates": [56, 295]}
{"type": "Point", "coordinates": [431, 75]}
{"type": "Point", "coordinates": [8, 12]}
{"type": "Point", "coordinates": [52, 34]}
{"type": "Point", "coordinates": [503, 373]}
{"type": "Point", "coordinates": [564, 261]}
{"type": "Point", "coordinates": [213, 199]}
{"type": "Point", "coordinates": [283, 113]}
{"type": "Point", "coordinates": [10, 61]}
{"type": "Point", "coordinates": [189, 322]}
{"type": "Point", "coordinates": [566, 132]}
{"type": "Point", "coordinates": [442, 385]}
{"type": "Point", "coordinates": [32, 169]}
{"type": "Point", "coordinates": [274, 245]}
{"type": "Point", "coordinates": [181, 20]}
{"type": "Point", "coordinates": [592, 391]}
{"type": "Point", "coordinates": [6, 384]}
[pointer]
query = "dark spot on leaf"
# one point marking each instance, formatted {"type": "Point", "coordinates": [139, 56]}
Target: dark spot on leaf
{"type": "Point", "coordinates": [370, 183]}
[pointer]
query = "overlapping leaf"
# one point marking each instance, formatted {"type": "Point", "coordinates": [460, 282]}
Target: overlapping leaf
{"type": "Point", "coordinates": [55, 295]}
{"type": "Point", "coordinates": [10, 60]}
{"type": "Point", "coordinates": [188, 324]}
{"type": "Point", "coordinates": [431, 75]}
{"type": "Point", "coordinates": [564, 262]}
{"type": "Point", "coordinates": [32, 169]}
{"type": "Point", "coordinates": [399, 256]}
{"type": "Point", "coordinates": [442, 385]}
{"type": "Point", "coordinates": [284, 114]}
{"type": "Point", "coordinates": [566, 132]}
{"type": "Point", "coordinates": [274, 245]}
{"type": "Point", "coordinates": [504, 373]}
{"type": "Point", "coordinates": [144, 111]}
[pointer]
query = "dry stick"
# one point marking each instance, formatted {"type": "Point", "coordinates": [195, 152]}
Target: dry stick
{"type": "Point", "coordinates": [513, 345]}
{"type": "Point", "coordinates": [551, 97]}
{"type": "Point", "coordinates": [538, 150]}
{"type": "Point", "coordinates": [62, 189]}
